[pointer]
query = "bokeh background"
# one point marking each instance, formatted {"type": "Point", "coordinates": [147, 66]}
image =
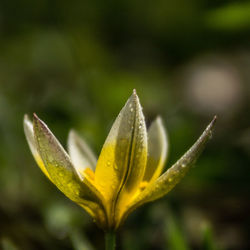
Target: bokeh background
{"type": "Point", "coordinates": [76, 63]}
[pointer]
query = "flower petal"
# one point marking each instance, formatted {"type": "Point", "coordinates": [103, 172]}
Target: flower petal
{"type": "Point", "coordinates": [81, 155]}
{"type": "Point", "coordinates": [121, 165]}
{"type": "Point", "coordinates": [29, 134]}
{"type": "Point", "coordinates": [157, 150]}
{"type": "Point", "coordinates": [173, 175]}
{"type": "Point", "coordinates": [62, 172]}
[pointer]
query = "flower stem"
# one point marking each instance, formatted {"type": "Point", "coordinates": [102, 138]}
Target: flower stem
{"type": "Point", "coordinates": [110, 240]}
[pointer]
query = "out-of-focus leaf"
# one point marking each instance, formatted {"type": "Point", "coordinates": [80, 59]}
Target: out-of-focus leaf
{"type": "Point", "coordinates": [175, 237]}
{"type": "Point", "coordinates": [80, 242]}
{"type": "Point", "coordinates": [208, 238]}
{"type": "Point", "coordinates": [7, 244]}
{"type": "Point", "coordinates": [232, 17]}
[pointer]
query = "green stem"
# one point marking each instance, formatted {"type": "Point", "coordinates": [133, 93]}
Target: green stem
{"type": "Point", "coordinates": [110, 240]}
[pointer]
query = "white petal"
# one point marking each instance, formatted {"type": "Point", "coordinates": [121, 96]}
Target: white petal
{"type": "Point", "coordinates": [81, 155]}
{"type": "Point", "coordinates": [157, 150]}
{"type": "Point", "coordinates": [29, 134]}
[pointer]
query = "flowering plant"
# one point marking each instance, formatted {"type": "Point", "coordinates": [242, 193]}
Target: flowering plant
{"type": "Point", "coordinates": [128, 172]}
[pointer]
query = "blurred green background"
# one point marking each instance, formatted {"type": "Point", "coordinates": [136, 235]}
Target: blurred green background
{"type": "Point", "coordinates": [76, 63]}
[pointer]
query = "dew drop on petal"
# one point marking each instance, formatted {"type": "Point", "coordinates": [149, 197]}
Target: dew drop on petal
{"type": "Point", "coordinates": [143, 185]}
{"type": "Point", "coordinates": [50, 158]}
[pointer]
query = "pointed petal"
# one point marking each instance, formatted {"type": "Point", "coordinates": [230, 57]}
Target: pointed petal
{"type": "Point", "coordinates": [29, 134]}
{"type": "Point", "coordinates": [121, 165]}
{"type": "Point", "coordinates": [157, 150]}
{"type": "Point", "coordinates": [62, 172]}
{"type": "Point", "coordinates": [81, 155]}
{"type": "Point", "coordinates": [173, 175]}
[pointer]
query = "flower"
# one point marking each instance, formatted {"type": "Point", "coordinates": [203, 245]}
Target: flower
{"type": "Point", "coordinates": [128, 172]}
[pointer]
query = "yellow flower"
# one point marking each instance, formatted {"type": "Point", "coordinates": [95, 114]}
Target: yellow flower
{"type": "Point", "coordinates": [128, 172]}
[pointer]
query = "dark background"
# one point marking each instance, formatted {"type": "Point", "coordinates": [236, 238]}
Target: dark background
{"type": "Point", "coordinates": [76, 63]}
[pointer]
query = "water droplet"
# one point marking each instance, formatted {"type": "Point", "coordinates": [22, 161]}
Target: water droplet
{"type": "Point", "coordinates": [130, 105]}
{"type": "Point", "coordinates": [139, 126]}
{"type": "Point", "coordinates": [50, 158]}
{"type": "Point", "coordinates": [115, 167]}
{"type": "Point", "coordinates": [143, 185]}
{"type": "Point", "coordinates": [170, 179]}
{"type": "Point", "coordinates": [131, 110]}
{"type": "Point", "coordinates": [183, 165]}
{"type": "Point", "coordinates": [108, 163]}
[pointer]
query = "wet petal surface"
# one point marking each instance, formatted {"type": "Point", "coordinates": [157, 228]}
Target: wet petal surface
{"type": "Point", "coordinates": [121, 165]}
{"type": "Point", "coordinates": [62, 172]}
{"type": "Point", "coordinates": [173, 175]}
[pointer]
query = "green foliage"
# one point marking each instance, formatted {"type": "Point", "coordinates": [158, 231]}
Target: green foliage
{"type": "Point", "coordinates": [208, 238]}
{"type": "Point", "coordinates": [8, 245]}
{"type": "Point", "coordinates": [174, 234]}
{"type": "Point", "coordinates": [231, 17]}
